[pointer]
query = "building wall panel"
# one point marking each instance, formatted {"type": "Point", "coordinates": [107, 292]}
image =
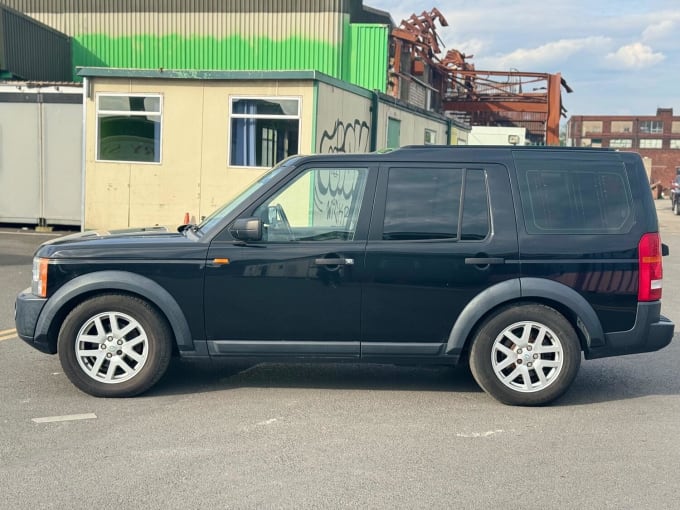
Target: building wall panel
{"type": "Point", "coordinates": [62, 160]}
{"type": "Point", "coordinates": [20, 159]}
{"type": "Point", "coordinates": [343, 121]}
{"type": "Point", "coordinates": [31, 51]}
{"type": "Point", "coordinates": [412, 125]}
{"type": "Point", "coordinates": [194, 175]}
{"type": "Point", "coordinates": [40, 154]}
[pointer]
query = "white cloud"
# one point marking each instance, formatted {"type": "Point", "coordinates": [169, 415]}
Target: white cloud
{"type": "Point", "coordinates": [521, 34]}
{"type": "Point", "coordinates": [634, 56]}
{"type": "Point", "coordinates": [550, 53]}
{"type": "Point", "coordinates": [665, 25]}
{"type": "Point", "coordinates": [474, 46]}
{"type": "Point", "coordinates": [659, 30]}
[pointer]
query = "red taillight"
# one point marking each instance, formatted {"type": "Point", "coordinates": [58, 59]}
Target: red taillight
{"type": "Point", "coordinates": [650, 268]}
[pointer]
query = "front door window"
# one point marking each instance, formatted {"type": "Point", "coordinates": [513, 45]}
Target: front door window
{"type": "Point", "coordinates": [322, 204]}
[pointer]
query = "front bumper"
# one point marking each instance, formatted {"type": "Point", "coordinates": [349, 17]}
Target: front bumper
{"type": "Point", "coordinates": [27, 310]}
{"type": "Point", "coordinates": [651, 332]}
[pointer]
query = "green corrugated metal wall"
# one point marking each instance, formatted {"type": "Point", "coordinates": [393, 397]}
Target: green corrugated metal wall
{"type": "Point", "coordinates": [366, 56]}
{"type": "Point", "coordinates": [205, 53]}
{"type": "Point", "coordinates": [261, 35]}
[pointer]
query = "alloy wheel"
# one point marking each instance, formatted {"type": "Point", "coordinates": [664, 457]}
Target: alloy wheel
{"type": "Point", "coordinates": [527, 356]}
{"type": "Point", "coordinates": [111, 347]}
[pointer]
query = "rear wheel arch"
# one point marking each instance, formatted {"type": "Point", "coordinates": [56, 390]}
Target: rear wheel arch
{"type": "Point", "coordinates": [563, 299]}
{"type": "Point", "coordinates": [88, 286]}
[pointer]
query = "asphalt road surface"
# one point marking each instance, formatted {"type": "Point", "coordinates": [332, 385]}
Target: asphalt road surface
{"type": "Point", "coordinates": [336, 436]}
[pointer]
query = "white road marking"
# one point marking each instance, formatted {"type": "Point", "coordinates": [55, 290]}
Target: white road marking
{"type": "Point", "coordinates": [481, 434]}
{"type": "Point", "coordinates": [68, 417]}
{"type": "Point", "coordinates": [267, 422]}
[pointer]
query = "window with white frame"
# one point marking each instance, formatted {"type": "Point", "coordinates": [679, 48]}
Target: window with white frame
{"type": "Point", "coordinates": [621, 143]}
{"type": "Point", "coordinates": [651, 126]}
{"type": "Point", "coordinates": [430, 137]}
{"type": "Point", "coordinates": [129, 127]}
{"type": "Point", "coordinates": [264, 130]}
{"type": "Point", "coordinates": [675, 144]}
{"type": "Point", "coordinates": [650, 143]}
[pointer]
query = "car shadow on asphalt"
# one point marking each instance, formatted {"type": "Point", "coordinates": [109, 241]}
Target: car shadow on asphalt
{"type": "Point", "coordinates": [598, 381]}
{"type": "Point", "coordinates": [622, 378]}
{"type": "Point", "coordinates": [193, 377]}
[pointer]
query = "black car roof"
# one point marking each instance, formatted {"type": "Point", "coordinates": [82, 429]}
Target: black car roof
{"type": "Point", "coordinates": [443, 153]}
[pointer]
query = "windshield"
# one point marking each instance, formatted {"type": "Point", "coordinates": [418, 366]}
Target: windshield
{"type": "Point", "coordinates": [230, 206]}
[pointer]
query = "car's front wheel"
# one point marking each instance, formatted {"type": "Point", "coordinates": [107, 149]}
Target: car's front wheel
{"type": "Point", "coordinates": [114, 345]}
{"type": "Point", "coordinates": [676, 207]}
{"type": "Point", "coordinates": [526, 354]}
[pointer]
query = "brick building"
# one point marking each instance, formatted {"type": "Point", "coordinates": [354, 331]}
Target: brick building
{"type": "Point", "coordinates": [654, 136]}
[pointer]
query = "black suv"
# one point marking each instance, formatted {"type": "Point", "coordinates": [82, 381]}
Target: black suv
{"type": "Point", "coordinates": [514, 260]}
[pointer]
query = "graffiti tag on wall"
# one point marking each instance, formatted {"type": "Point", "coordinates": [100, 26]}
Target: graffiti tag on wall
{"type": "Point", "coordinates": [335, 196]}
{"type": "Point", "coordinates": [347, 137]}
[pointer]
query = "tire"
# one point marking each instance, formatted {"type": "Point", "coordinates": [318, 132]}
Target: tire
{"type": "Point", "coordinates": [114, 345]}
{"type": "Point", "coordinates": [505, 355]}
{"type": "Point", "coordinates": [676, 207]}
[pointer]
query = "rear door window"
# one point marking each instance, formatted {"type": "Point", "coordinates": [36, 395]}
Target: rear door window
{"type": "Point", "coordinates": [436, 203]}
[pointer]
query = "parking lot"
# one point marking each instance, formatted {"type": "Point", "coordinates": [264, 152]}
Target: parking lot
{"type": "Point", "coordinates": [231, 435]}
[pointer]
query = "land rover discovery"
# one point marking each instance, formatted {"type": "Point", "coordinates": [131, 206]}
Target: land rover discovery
{"type": "Point", "coordinates": [512, 260]}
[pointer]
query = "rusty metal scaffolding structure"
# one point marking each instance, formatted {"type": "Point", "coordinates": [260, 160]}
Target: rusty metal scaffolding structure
{"type": "Point", "coordinates": [488, 98]}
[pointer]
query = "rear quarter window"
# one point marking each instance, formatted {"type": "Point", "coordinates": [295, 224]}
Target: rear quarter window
{"type": "Point", "coordinates": [575, 196]}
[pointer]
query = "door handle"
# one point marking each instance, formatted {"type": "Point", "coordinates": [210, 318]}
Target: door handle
{"type": "Point", "coordinates": [484, 261]}
{"type": "Point", "coordinates": [334, 262]}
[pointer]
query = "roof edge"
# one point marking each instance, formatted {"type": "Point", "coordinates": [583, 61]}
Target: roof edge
{"type": "Point", "coordinates": [195, 74]}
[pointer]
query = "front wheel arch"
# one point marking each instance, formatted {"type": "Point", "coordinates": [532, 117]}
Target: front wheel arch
{"type": "Point", "coordinates": [114, 345]}
{"type": "Point", "coordinates": [74, 292]}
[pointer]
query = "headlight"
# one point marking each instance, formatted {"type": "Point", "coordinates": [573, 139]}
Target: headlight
{"type": "Point", "coordinates": [39, 280]}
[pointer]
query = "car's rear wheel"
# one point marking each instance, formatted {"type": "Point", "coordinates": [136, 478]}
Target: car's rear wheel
{"type": "Point", "coordinates": [525, 354]}
{"type": "Point", "coordinates": [676, 207]}
{"type": "Point", "coordinates": [114, 345]}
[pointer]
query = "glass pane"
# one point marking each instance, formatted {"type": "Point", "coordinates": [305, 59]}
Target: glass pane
{"type": "Point", "coordinates": [130, 104]}
{"type": "Point", "coordinates": [262, 142]}
{"type": "Point", "coordinates": [476, 223]}
{"type": "Point", "coordinates": [273, 107]}
{"type": "Point", "coordinates": [655, 143]}
{"type": "Point", "coordinates": [625, 143]}
{"type": "Point", "coordinates": [422, 203]}
{"type": "Point", "coordinates": [568, 199]}
{"type": "Point", "coordinates": [320, 205]}
{"type": "Point", "coordinates": [128, 138]}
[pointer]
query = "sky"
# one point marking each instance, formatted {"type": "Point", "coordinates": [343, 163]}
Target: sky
{"type": "Point", "coordinates": [620, 57]}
